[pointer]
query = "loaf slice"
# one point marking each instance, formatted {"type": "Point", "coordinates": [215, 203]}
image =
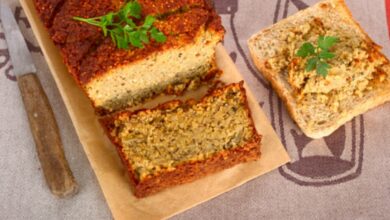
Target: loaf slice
{"type": "Point", "coordinates": [180, 142]}
{"type": "Point", "coordinates": [358, 80]}
{"type": "Point", "coordinates": [116, 78]}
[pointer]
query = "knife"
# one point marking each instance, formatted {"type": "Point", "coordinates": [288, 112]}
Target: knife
{"type": "Point", "coordinates": [42, 122]}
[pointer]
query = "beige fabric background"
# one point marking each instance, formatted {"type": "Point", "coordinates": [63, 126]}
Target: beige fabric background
{"type": "Point", "coordinates": [345, 176]}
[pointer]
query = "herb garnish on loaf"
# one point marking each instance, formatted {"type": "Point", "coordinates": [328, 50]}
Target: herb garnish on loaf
{"type": "Point", "coordinates": [179, 142]}
{"type": "Point", "coordinates": [122, 26]}
{"type": "Point", "coordinates": [357, 80]}
{"type": "Point", "coordinates": [116, 78]}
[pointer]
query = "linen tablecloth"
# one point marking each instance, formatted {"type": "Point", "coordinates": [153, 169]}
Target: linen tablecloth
{"type": "Point", "coordinates": [343, 176]}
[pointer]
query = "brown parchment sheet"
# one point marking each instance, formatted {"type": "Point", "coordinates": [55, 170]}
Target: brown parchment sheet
{"type": "Point", "coordinates": [105, 161]}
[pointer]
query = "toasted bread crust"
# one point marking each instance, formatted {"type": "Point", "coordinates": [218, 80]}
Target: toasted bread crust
{"type": "Point", "coordinates": [188, 171]}
{"type": "Point", "coordinates": [276, 85]}
{"type": "Point", "coordinates": [275, 79]}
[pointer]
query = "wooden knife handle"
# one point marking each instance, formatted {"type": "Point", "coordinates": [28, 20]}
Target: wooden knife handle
{"type": "Point", "coordinates": [45, 131]}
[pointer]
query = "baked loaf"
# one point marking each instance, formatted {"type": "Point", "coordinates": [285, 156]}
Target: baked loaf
{"type": "Point", "coordinates": [358, 79]}
{"type": "Point", "coordinates": [116, 78]}
{"type": "Point", "coordinates": [180, 142]}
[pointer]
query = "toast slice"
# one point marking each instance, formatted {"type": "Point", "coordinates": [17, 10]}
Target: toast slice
{"type": "Point", "coordinates": [180, 142]}
{"type": "Point", "coordinates": [115, 78]}
{"type": "Point", "coordinates": [358, 80]}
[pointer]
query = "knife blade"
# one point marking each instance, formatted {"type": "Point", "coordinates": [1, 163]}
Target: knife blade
{"type": "Point", "coordinates": [19, 53]}
{"type": "Point", "coordinates": [41, 119]}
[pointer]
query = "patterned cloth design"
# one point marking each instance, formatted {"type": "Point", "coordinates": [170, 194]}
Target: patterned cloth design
{"type": "Point", "coordinates": [343, 176]}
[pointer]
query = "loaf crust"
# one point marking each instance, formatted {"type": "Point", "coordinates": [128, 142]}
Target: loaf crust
{"type": "Point", "coordinates": [47, 9]}
{"type": "Point", "coordinates": [90, 57]}
{"type": "Point", "coordinates": [190, 170]}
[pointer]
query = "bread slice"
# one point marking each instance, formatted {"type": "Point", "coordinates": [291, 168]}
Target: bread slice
{"type": "Point", "coordinates": [116, 78]}
{"type": "Point", "coordinates": [180, 142]}
{"type": "Point", "coordinates": [359, 78]}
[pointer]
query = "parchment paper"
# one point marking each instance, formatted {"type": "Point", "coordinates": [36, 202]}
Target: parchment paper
{"type": "Point", "coordinates": [106, 164]}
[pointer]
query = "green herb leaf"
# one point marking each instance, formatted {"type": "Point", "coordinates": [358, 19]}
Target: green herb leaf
{"type": "Point", "coordinates": [121, 42]}
{"type": "Point", "coordinates": [326, 42]}
{"type": "Point", "coordinates": [117, 31]}
{"type": "Point", "coordinates": [135, 39]}
{"type": "Point", "coordinates": [326, 55]}
{"type": "Point", "coordinates": [306, 50]}
{"type": "Point", "coordinates": [157, 35]}
{"type": "Point", "coordinates": [311, 64]}
{"type": "Point", "coordinates": [132, 9]}
{"type": "Point", "coordinates": [135, 9]}
{"type": "Point", "coordinates": [88, 20]}
{"type": "Point", "coordinates": [316, 56]}
{"type": "Point", "coordinates": [127, 28]}
{"type": "Point", "coordinates": [104, 29]}
{"type": "Point", "coordinates": [130, 22]}
{"type": "Point", "coordinates": [109, 18]}
{"type": "Point", "coordinates": [123, 30]}
{"type": "Point", "coordinates": [144, 36]}
{"type": "Point", "coordinates": [149, 20]}
{"type": "Point", "coordinates": [322, 68]}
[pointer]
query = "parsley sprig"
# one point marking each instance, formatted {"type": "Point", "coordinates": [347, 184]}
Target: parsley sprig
{"type": "Point", "coordinates": [318, 55]}
{"type": "Point", "coordinates": [122, 28]}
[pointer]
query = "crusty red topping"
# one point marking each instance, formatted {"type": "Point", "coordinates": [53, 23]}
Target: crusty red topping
{"type": "Point", "coordinates": [87, 53]}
